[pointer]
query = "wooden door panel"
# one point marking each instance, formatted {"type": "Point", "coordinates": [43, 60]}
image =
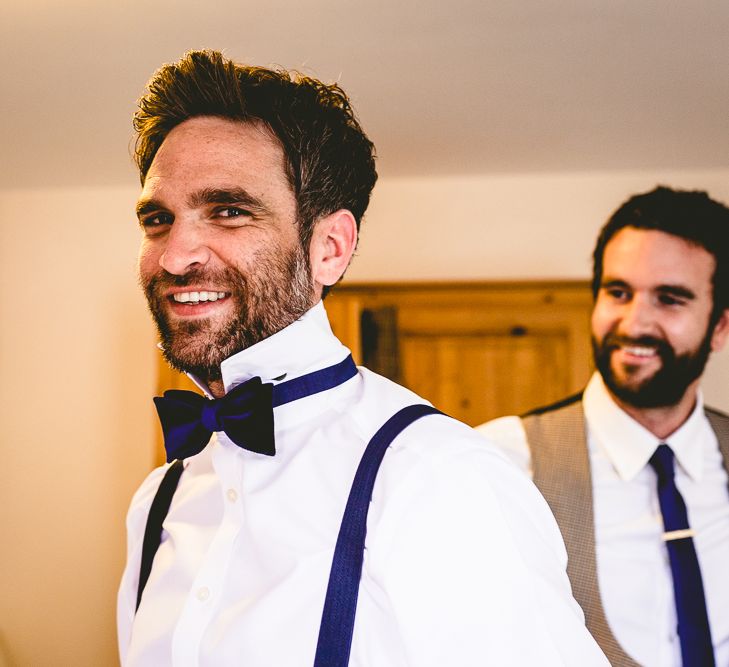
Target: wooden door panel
{"type": "Point", "coordinates": [476, 350]}
{"type": "Point", "coordinates": [475, 378]}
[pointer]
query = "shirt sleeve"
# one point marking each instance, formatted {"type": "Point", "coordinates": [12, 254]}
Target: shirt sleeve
{"type": "Point", "coordinates": [507, 433]}
{"type": "Point", "coordinates": [475, 566]}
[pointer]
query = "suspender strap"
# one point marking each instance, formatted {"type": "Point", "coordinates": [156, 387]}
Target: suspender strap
{"type": "Point", "coordinates": [340, 605]}
{"type": "Point", "coordinates": [153, 530]}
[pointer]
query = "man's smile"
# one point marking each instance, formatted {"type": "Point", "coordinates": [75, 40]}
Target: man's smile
{"type": "Point", "coordinates": [641, 351]}
{"type": "Point", "coordinates": [197, 302]}
{"type": "Point", "coordinates": [635, 354]}
{"type": "Point", "coordinates": [196, 297]}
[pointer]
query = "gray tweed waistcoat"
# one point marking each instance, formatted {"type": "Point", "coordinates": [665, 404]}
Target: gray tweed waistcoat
{"type": "Point", "coordinates": [558, 443]}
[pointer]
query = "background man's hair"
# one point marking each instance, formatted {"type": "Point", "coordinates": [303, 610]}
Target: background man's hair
{"type": "Point", "coordinates": [329, 160]}
{"type": "Point", "coordinates": [689, 214]}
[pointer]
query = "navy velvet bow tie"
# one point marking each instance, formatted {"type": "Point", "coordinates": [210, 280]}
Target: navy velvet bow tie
{"type": "Point", "coordinates": [245, 413]}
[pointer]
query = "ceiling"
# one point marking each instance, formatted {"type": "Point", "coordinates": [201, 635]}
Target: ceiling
{"type": "Point", "coordinates": [441, 87]}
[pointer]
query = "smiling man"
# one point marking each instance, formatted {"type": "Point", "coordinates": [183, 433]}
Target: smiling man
{"type": "Point", "coordinates": [271, 539]}
{"type": "Point", "coordinates": [635, 468]}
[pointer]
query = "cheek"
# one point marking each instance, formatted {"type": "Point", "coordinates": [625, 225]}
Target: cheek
{"type": "Point", "coordinates": [147, 260]}
{"type": "Point", "coordinates": [601, 321]}
{"type": "Point", "coordinates": [684, 335]}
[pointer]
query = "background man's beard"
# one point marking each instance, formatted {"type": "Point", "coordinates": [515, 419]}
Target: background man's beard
{"type": "Point", "coordinates": [667, 385]}
{"type": "Point", "coordinates": [278, 292]}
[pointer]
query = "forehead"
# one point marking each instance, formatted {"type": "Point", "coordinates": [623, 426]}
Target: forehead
{"type": "Point", "coordinates": [646, 258]}
{"type": "Point", "coordinates": [213, 152]}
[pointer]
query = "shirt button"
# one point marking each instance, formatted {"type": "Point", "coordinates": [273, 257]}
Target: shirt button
{"type": "Point", "coordinates": [232, 495]}
{"type": "Point", "coordinates": [203, 593]}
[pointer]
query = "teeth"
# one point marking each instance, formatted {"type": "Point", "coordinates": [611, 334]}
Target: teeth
{"type": "Point", "coordinates": [197, 297]}
{"type": "Point", "coordinates": [641, 351]}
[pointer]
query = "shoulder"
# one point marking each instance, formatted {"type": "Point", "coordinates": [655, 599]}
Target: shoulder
{"type": "Point", "coordinates": [507, 433]}
{"type": "Point", "coordinates": [502, 429]}
{"type": "Point", "coordinates": [441, 477]}
{"type": "Point", "coordinates": [510, 433]}
{"type": "Point", "coordinates": [554, 407]}
{"type": "Point", "coordinates": [438, 459]}
{"type": "Point", "coordinates": [429, 441]}
{"type": "Point", "coordinates": [718, 414]}
{"type": "Point", "coordinates": [719, 422]}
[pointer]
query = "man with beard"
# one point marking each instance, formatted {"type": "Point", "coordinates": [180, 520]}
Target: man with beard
{"type": "Point", "coordinates": [254, 183]}
{"type": "Point", "coordinates": [635, 468]}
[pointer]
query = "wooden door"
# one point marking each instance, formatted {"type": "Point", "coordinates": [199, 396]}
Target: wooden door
{"type": "Point", "coordinates": [476, 377]}
{"type": "Point", "coordinates": [476, 351]}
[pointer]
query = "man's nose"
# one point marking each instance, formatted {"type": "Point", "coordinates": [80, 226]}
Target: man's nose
{"type": "Point", "coordinates": [638, 317]}
{"type": "Point", "coordinates": [185, 249]}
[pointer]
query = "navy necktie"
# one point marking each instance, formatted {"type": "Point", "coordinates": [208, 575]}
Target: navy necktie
{"type": "Point", "coordinates": [688, 590]}
{"type": "Point", "coordinates": [245, 413]}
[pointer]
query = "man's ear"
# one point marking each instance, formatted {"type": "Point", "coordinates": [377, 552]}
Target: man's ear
{"type": "Point", "coordinates": [721, 331]}
{"type": "Point", "coordinates": [332, 245]}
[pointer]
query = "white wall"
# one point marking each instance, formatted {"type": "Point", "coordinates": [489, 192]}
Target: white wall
{"type": "Point", "coordinates": [77, 360]}
{"type": "Point", "coordinates": [77, 364]}
{"type": "Point", "coordinates": [517, 226]}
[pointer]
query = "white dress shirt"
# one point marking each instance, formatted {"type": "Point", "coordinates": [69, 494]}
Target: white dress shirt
{"type": "Point", "coordinates": [633, 567]}
{"type": "Point", "coordinates": [464, 564]}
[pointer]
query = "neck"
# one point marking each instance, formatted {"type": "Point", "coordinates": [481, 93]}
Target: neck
{"type": "Point", "coordinates": [216, 388]}
{"type": "Point", "coordinates": [664, 420]}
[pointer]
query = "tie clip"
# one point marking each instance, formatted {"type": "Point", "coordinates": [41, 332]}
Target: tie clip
{"type": "Point", "coordinates": [678, 534]}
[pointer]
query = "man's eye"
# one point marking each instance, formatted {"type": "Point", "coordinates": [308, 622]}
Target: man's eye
{"type": "Point", "coordinates": [617, 293]}
{"type": "Point", "coordinates": [668, 300]}
{"type": "Point", "coordinates": [231, 212]}
{"type": "Point", "coordinates": [156, 220]}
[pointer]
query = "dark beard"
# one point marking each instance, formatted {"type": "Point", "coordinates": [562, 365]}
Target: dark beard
{"type": "Point", "coordinates": [668, 385]}
{"type": "Point", "coordinates": [277, 293]}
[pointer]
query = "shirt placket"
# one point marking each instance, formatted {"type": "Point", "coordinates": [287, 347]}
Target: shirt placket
{"type": "Point", "coordinates": [207, 586]}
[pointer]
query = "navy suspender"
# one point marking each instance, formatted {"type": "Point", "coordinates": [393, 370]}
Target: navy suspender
{"type": "Point", "coordinates": [155, 519]}
{"type": "Point", "coordinates": [340, 605]}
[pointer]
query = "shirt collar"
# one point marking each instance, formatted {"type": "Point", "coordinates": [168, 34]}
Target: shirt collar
{"type": "Point", "coordinates": [628, 445]}
{"type": "Point", "coordinates": [306, 345]}
{"type": "Point", "coordinates": [686, 441]}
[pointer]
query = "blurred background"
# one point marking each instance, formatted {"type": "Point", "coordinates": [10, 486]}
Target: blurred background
{"type": "Point", "coordinates": [507, 133]}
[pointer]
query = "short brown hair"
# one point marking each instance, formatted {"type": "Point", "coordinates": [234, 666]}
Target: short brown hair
{"type": "Point", "coordinates": [688, 214]}
{"type": "Point", "coordinates": [329, 161]}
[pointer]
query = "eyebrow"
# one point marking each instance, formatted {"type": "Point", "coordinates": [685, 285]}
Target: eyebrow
{"type": "Point", "coordinates": [231, 196]}
{"type": "Point", "coordinates": [145, 206]}
{"type": "Point", "coordinates": [613, 282]}
{"type": "Point", "coordinates": [677, 290]}
{"type": "Point", "coordinates": [208, 196]}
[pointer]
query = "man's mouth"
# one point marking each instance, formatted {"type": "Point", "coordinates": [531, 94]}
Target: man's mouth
{"type": "Point", "coordinates": [640, 351]}
{"type": "Point", "coordinates": [198, 297]}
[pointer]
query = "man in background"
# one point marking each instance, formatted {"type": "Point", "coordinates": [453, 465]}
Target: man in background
{"type": "Point", "coordinates": [635, 468]}
{"type": "Point", "coordinates": [254, 185]}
